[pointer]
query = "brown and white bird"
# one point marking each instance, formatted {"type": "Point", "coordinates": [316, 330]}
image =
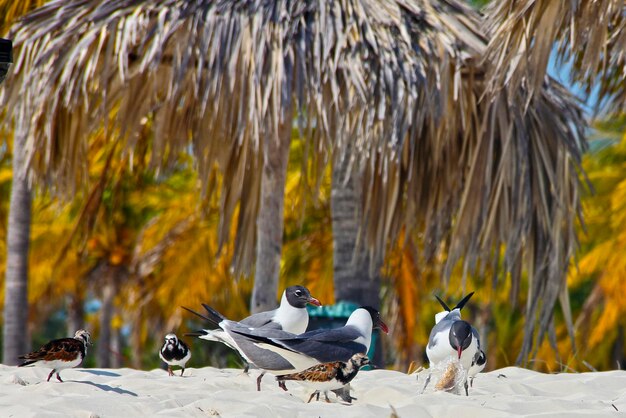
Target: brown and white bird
{"type": "Point", "coordinates": [174, 353]}
{"type": "Point", "coordinates": [60, 354]}
{"type": "Point", "coordinates": [328, 376]}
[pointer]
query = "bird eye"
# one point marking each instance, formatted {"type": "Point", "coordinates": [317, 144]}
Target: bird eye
{"type": "Point", "coordinates": [298, 293]}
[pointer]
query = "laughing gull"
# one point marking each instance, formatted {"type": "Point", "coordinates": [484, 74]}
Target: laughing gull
{"type": "Point", "coordinates": [315, 347]}
{"type": "Point", "coordinates": [291, 316]}
{"type": "Point", "coordinates": [453, 337]}
{"type": "Point", "coordinates": [328, 376]}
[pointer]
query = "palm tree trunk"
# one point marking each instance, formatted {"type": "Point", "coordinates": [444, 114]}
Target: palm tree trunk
{"type": "Point", "coordinates": [135, 340]}
{"type": "Point", "coordinates": [106, 315]}
{"type": "Point", "coordinates": [15, 334]}
{"type": "Point", "coordinates": [270, 221]}
{"type": "Point", "coordinates": [356, 277]}
{"type": "Point", "coordinates": [75, 312]}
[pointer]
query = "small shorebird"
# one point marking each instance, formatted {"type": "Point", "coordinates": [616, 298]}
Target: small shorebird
{"type": "Point", "coordinates": [174, 353]}
{"type": "Point", "coordinates": [60, 354]}
{"type": "Point", "coordinates": [328, 376]}
{"type": "Point", "coordinates": [478, 364]}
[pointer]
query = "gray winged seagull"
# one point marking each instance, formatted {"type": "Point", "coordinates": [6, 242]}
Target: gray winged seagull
{"type": "Point", "coordinates": [453, 337]}
{"type": "Point", "coordinates": [290, 316]}
{"type": "Point", "coordinates": [312, 348]}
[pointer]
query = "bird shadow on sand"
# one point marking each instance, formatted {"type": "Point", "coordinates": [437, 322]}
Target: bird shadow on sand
{"type": "Point", "coordinates": [107, 388]}
{"type": "Point", "coordinates": [101, 373]}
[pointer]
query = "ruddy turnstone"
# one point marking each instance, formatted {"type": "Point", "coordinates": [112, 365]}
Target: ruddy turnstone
{"type": "Point", "coordinates": [174, 353]}
{"type": "Point", "coordinates": [328, 376]}
{"type": "Point", "coordinates": [290, 316]}
{"type": "Point", "coordinates": [60, 354]}
{"type": "Point", "coordinates": [453, 337]}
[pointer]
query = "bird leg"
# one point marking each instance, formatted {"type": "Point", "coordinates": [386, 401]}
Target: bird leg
{"type": "Point", "coordinates": [169, 370]}
{"type": "Point", "coordinates": [182, 371]}
{"type": "Point", "coordinates": [247, 368]}
{"type": "Point", "coordinates": [258, 381]}
{"type": "Point", "coordinates": [465, 386]}
{"type": "Point", "coordinates": [59, 378]}
{"type": "Point", "coordinates": [311, 398]}
{"type": "Point", "coordinates": [427, 382]}
{"type": "Point", "coordinates": [50, 375]}
{"type": "Point", "coordinates": [281, 385]}
{"type": "Point", "coordinates": [326, 396]}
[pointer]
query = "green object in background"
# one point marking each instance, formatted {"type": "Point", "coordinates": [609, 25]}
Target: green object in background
{"type": "Point", "coordinates": [335, 316]}
{"type": "Point", "coordinates": [341, 310]}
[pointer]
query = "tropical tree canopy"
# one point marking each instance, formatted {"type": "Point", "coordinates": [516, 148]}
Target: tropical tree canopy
{"type": "Point", "coordinates": [401, 82]}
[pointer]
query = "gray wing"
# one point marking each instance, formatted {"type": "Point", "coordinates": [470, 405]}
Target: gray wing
{"type": "Point", "coordinates": [261, 319]}
{"type": "Point", "coordinates": [323, 345]}
{"type": "Point", "coordinates": [443, 326]}
{"type": "Point", "coordinates": [261, 358]}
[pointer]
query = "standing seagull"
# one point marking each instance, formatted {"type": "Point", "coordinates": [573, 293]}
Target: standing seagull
{"type": "Point", "coordinates": [174, 353]}
{"type": "Point", "coordinates": [328, 376]}
{"type": "Point", "coordinates": [290, 316]}
{"type": "Point", "coordinates": [306, 350]}
{"type": "Point", "coordinates": [453, 337]}
{"type": "Point", "coordinates": [60, 354]}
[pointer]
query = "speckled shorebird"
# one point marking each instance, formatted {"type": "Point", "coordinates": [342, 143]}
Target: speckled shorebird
{"type": "Point", "coordinates": [60, 354]}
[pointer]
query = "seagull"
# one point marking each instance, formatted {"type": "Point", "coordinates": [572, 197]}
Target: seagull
{"type": "Point", "coordinates": [60, 354]}
{"type": "Point", "coordinates": [291, 316]}
{"type": "Point", "coordinates": [328, 376]}
{"type": "Point", "coordinates": [303, 351]}
{"type": "Point", "coordinates": [478, 364]}
{"type": "Point", "coordinates": [453, 337]}
{"type": "Point", "coordinates": [174, 353]}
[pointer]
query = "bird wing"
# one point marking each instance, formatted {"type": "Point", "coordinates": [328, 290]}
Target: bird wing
{"type": "Point", "coordinates": [62, 349]}
{"type": "Point", "coordinates": [320, 373]}
{"type": "Point", "coordinates": [261, 319]}
{"type": "Point", "coordinates": [323, 345]}
{"type": "Point", "coordinates": [440, 327]}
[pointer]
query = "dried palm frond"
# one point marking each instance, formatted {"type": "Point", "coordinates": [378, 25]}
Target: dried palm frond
{"type": "Point", "coordinates": [393, 86]}
{"type": "Point", "coordinates": [589, 33]}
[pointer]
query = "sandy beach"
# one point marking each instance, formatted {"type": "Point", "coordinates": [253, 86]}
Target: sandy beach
{"type": "Point", "coordinates": [230, 393]}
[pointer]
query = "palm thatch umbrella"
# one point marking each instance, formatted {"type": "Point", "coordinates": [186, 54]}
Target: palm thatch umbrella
{"type": "Point", "coordinates": [399, 84]}
{"type": "Point", "coordinates": [591, 34]}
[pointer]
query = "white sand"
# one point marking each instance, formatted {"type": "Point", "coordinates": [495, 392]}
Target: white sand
{"type": "Point", "coordinates": [214, 392]}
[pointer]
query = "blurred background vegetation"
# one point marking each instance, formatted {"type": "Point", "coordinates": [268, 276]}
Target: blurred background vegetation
{"type": "Point", "coordinates": [126, 253]}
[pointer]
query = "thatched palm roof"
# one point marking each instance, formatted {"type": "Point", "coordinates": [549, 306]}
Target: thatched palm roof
{"type": "Point", "coordinates": [589, 33]}
{"type": "Point", "coordinates": [401, 81]}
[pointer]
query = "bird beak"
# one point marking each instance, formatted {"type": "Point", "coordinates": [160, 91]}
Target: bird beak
{"type": "Point", "coordinates": [459, 350]}
{"type": "Point", "coordinates": [383, 327]}
{"type": "Point", "coordinates": [314, 301]}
